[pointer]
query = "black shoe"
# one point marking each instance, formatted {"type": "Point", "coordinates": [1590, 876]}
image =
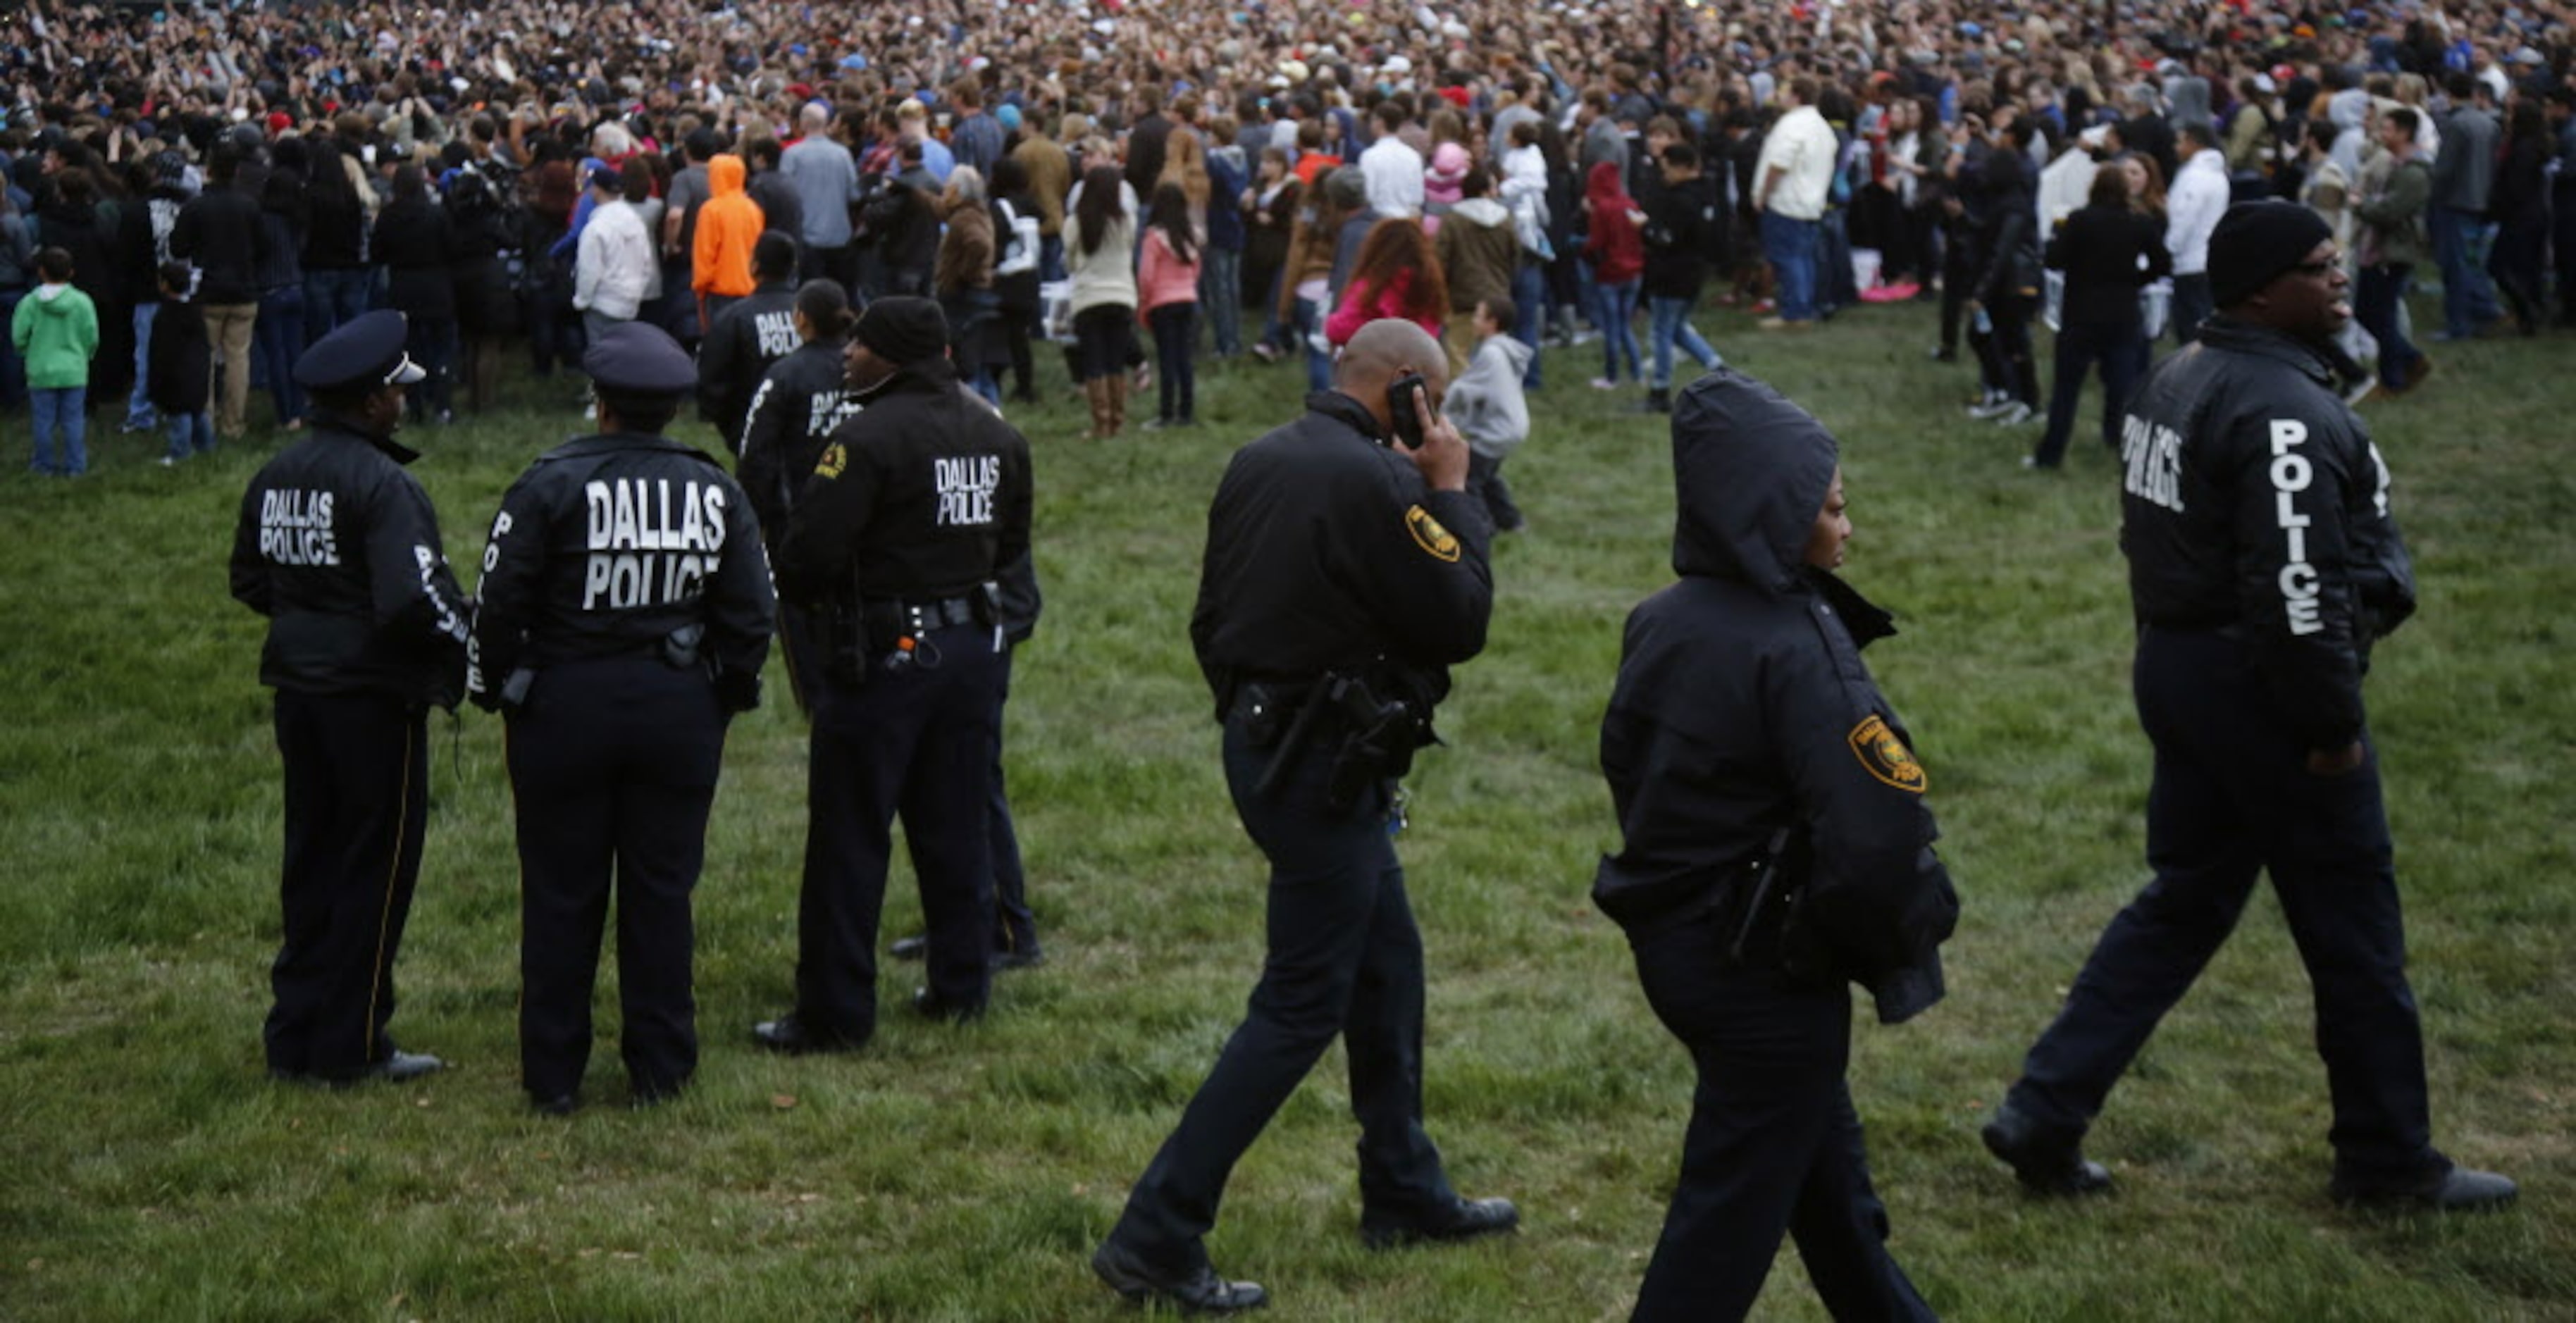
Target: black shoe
{"type": "Point", "coordinates": [1199, 1291]}
{"type": "Point", "coordinates": [1658, 400]}
{"type": "Point", "coordinates": [915, 947]}
{"type": "Point", "coordinates": [937, 1007]}
{"type": "Point", "coordinates": [1466, 1219]}
{"type": "Point", "coordinates": [788, 1034]}
{"type": "Point", "coordinates": [2045, 1164]}
{"type": "Point", "coordinates": [1945, 354]}
{"type": "Point", "coordinates": [563, 1104]}
{"type": "Point", "coordinates": [400, 1068]}
{"type": "Point", "coordinates": [2458, 1190]}
{"type": "Point", "coordinates": [1026, 958]}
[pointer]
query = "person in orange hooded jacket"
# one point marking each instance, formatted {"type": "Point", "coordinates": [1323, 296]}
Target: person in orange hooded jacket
{"type": "Point", "coordinates": [729, 222]}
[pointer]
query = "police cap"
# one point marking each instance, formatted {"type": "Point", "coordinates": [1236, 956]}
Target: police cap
{"type": "Point", "coordinates": [365, 353]}
{"type": "Point", "coordinates": [632, 358]}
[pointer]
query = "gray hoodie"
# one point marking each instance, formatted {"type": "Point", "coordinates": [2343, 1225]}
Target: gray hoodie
{"type": "Point", "coordinates": [1486, 402]}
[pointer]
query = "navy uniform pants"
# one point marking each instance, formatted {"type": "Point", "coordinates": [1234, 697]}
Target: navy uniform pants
{"type": "Point", "coordinates": [357, 786]}
{"type": "Point", "coordinates": [914, 741]}
{"type": "Point", "coordinates": [612, 768]}
{"type": "Point", "coordinates": [1015, 928]}
{"type": "Point", "coordinates": [1774, 1147]}
{"type": "Point", "coordinates": [2232, 797]}
{"type": "Point", "coordinates": [1344, 959]}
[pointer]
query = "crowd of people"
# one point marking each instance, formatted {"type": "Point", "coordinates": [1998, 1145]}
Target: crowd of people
{"type": "Point", "coordinates": [846, 236]}
{"type": "Point", "coordinates": [528, 173]}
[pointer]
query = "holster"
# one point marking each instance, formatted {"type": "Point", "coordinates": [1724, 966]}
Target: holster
{"type": "Point", "coordinates": [1375, 737]}
{"type": "Point", "coordinates": [845, 643]}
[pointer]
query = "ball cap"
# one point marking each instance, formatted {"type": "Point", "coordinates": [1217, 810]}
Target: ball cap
{"type": "Point", "coordinates": [364, 353]}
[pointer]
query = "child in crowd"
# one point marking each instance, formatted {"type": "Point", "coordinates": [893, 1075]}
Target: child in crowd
{"type": "Point", "coordinates": [1167, 294]}
{"type": "Point", "coordinates": [179, 367]}
{"type": "Point", "coordinates": [55, 331]}
{"type": "Point", "coordinates": [1486, 405]}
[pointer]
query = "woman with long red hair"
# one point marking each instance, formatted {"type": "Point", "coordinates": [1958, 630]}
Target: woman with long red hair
{"type": "Point", "coordinates": [1394, 275]}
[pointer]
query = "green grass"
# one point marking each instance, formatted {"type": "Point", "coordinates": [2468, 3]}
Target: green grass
{"type": "Point", "coordinates": [149, 1171]}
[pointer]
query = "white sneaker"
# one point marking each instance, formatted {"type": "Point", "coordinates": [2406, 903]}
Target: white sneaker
{"type": "Point", "coordinates": [2015, 413]}
{"type": "Point", "coordinates": [1994, 408]}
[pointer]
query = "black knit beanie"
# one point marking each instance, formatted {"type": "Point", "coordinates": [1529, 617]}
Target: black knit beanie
{"type": "Point", "coordinates": [2255, 242]}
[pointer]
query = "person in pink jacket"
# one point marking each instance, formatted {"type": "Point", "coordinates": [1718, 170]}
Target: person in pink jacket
{"type": "Point", "coordinates": [1395, 275]}
{"type": "Point", "coordinates": [1167, 297]}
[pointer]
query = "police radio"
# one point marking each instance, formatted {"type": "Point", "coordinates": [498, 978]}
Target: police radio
{"type": "Point", "coordinates": [1404, 409]}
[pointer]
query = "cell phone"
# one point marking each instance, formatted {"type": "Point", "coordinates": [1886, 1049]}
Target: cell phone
{"type": "Point", "coordinates": [1403, 407]}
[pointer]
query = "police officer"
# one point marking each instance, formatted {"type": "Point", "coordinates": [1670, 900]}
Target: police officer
{"type": "Point", "coordinates": [913, 508]}
{"type": "Point", "coordinates": [2263, 565]}
{"type": "Point", "coordinates": [625, 613]}
{"type": "Point", "coordinates": [748, 338]}
{"type": "Point", "coordinates": [339, 548]}
{"type": "Point", "coordinates": [1345, 573]}
{"type": "Point", "coordinates": [1754, 763]}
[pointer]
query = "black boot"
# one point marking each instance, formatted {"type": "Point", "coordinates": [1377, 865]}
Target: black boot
{"type": "Point", "coordinates": [1659, 399]}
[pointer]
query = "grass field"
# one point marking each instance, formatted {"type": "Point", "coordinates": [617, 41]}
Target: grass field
{"type": "Point", "coordinates": [148, 1170]}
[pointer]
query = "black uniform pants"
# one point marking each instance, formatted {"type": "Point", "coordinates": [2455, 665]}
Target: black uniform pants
{"type": "Point", "coordinates": [1345, 959]}
{"type": "Point", "coordinates": [1774, 1146]}
{"type": "Point", "coordinates": [2233, 797]}
{"type": "Point", "coordinates": [1015, 928]}
{"type": "Point", "coordinates": [612, 768]}
{"type": "Point", "coordinates": [915, 741]}
{"type": "Point", "coordinates": [357, 785]}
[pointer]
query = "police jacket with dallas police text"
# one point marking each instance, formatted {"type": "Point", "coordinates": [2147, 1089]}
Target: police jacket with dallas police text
{"type": "Point", "coordinates": [1326, 550]}
{"type": "Point", "coordinates": [803, 400]}
{"type": "Point", "coordinates": [1743, 713]}
{"type": "Point", "coordinates": [748, 338]}
{"type": "Point", "coordinates": [605, 547]}
{"type": "Point", "coordinates": [339, 548]}
{"type": "Point", "coordinates": [923, 496]}
{"type": "Point", "coordinates": [2253, 501]}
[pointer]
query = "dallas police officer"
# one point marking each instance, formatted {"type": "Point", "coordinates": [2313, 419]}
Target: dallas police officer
{"type": "Point", "coordinates": [625, 612]}
{"type": "Point", "coordinates": [1775, 848]}
{"type": "Point", "coordinates": [2264, 563]}
{"type": "Point", "coordinates": [1345, 573]}
{"type": "Point", "coordinates": [339, 548]}
{"type": "Point", "coordinates": [752, 335]}
{"type": "Point", "coordinates": [914, 507]}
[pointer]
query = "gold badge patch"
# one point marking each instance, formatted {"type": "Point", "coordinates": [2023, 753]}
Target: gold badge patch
{"type": "Point", "coordinates": [1429, 535]}
{"type": "Point", "coordinates": [1886, 756]}
{"type": "Point", "coordinates": [835, 459]}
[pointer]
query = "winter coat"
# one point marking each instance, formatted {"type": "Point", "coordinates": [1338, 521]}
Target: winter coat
{"type": "Point", "coordinates": [1486, 402]}
{"type": "Point", "coordinates": [1616, 246]}
{"type": "Point", "coordinates": [55, 331]}
{"type": "Point", "coordinates": [1166, 278]}
{"type": "Point", "coordinates": [1477, 252]}
{"type": "Point", "coordinates": [179, 365]}
{"type": "Point", "coordinates": [418, 245]}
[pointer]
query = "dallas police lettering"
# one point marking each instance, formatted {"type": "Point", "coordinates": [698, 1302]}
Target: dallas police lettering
{"type": "Point", "coordinates": [777, 332]}
{"type": "Point", "coordinates": [966, 485]}
{"type": "Point", "coordinates": [2291, 475]}
{"type": "Point", "coordinates": [2152, 456]}
{"type": "Point", "coordinates": [295, 527]}
{"type": "Point", "coordinates": [652, 541]}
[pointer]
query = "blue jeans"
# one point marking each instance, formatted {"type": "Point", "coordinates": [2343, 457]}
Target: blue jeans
{"type": "Point", "coordinates": [277, 340]}
{"type": "Point", "coordinates": [1670, 326]}
{"type": "Point", "coordinates": [2375, 302]}
{"type": "Point", "coordinates": [1319, 365]}
{"type": "Point", "coordinates": [139, 413]}
{"type": "Point", "coordinates": [334, 297]}
{"type": "Point", "coordinates": [190, 434]}
{"type": "Point", "coordinates": [2460, 240]}
{"type": "Point", "coordinates": [1221, 296]}
{"type": "Point", "coordinates": [1529, 294]}
{"type": "Point", "coordinates": [63, 410]}
{"type": "Point", "coordinates": [1615, 307]}
{"type": "Point", "coordinates": [1175, 326]}
{"type": "Point", "coordinates": [1791, 246]}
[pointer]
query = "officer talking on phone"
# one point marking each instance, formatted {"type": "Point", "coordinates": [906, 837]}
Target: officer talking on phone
{"type": "Point", "coordinates": [624, 617]}
{"type": "Point", "coordinates": [1345, 573]}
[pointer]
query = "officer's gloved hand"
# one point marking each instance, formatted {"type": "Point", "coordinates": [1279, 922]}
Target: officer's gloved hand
{"type": "Point", "coordinates": [737, 691]}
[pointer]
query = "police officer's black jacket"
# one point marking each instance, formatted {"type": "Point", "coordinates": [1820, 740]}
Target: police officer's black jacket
{"type": "Point", "coordinates": [608, 544]}
{"type": "Point", "coordinates": [1743, 708]}
{"type": "Point", "coordinates": [339, 548]}
{"type": "Point", "coordinates": [805, 397]}
{"type": "Point", "coordinates": [1326, 550]}
{"type": "Point", "coordinates": [2255, 502]}
{"type": "Point", "coordinates": [753, 334]}
{"type": "Point", "coordinates": [924, 495]}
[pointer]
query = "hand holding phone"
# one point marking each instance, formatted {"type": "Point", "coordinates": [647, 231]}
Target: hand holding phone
{"type": "Point", "coordinates": [1405, 405]}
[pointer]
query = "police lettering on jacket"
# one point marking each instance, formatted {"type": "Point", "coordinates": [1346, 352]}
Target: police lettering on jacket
{"type": "Point", "coordinates": [295, 528]}
{"type": "Point", "coordinates": [776, 333]}
{"type": "Point", "coordinates": [652, 541]}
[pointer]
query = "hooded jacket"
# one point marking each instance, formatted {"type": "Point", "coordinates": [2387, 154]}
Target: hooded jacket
{"type": "Point", "coordinates": [1477, 252]}
{"type": "Point", "coordinates": [1616, 247]}
{"type": "Point", "coordinates": [1486, 402]}
{"type": "Point", "coordinates": [800, 403]}
{"type": "Point", "coordinates": [1742, 711]}
{"type": "Point", "coordinates": [729, 223]}
{"type": "Point", "coordinates": [56, 331]}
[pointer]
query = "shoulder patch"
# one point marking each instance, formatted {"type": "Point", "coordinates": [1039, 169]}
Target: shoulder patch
{"type": "Point", "coordinates": [1428, 534]}
{"type": "Point", "coordinates": [1884, 756]}
{"type": "Point", "coordinates": [836, 457]}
